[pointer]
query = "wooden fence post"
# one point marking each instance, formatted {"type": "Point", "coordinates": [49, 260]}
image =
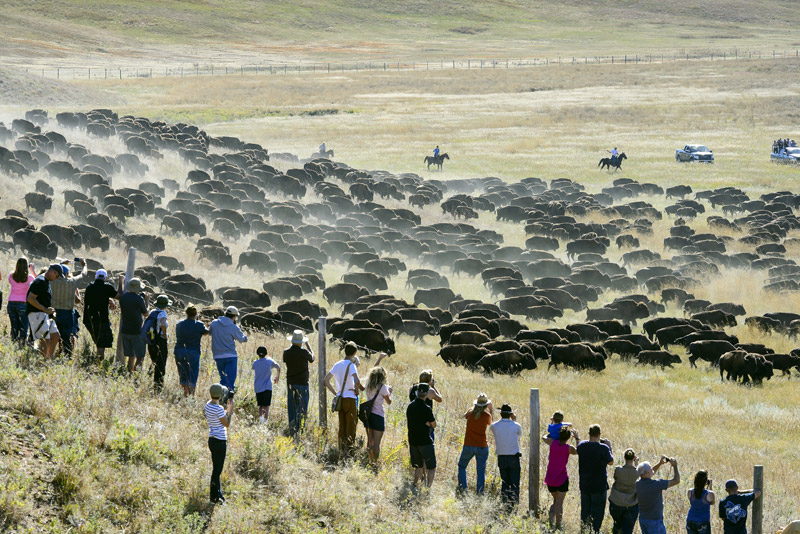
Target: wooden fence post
{"type": "Point", "coordinates": [322, 370]}
{"type": "Point", "coordinates": [128, 275]}
{"type": "Point", "coordinates": [758, 504]}
{"type": "Point", "coordinates": [533, 454]}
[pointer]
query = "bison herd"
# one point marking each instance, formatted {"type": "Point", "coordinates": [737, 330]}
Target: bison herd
{"type": "Point", "coordinates": [282, 222]}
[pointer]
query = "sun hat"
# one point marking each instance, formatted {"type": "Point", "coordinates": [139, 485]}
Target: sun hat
{"type": "Point", "coordinates": [100, 274]}
{"type": "Point", "coordinates": [643, 468]}
{"type": "Point", "coordinates": [217, 391]}
{"type": "Point", "coordinates": [232, 310]}
{"type": "Point", "coordinates": [731, 484]}
{"type": "Point", "coordinates": [57, 267]}
{"type": "Point", "coordinates": [162, 301]}
{"type": "Point", "coordinates": [297, 337]}
{"type": "Point", "coordinates": [482, 400]}
{"type": "Point", "coordinates": [135, 285]}
{"type": "Point", "coordinates": [506, 410]}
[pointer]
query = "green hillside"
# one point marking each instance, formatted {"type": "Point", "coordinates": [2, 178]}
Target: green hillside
{"type": "Point", "coordinates": [335, 29]}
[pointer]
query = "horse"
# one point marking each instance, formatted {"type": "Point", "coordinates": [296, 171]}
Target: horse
{"type": "Point", "coordinates": [327, 154]}
{"type": "Point", "coordinates": [612, 162]}
{"type": "Point", "coordinates": [436, 160]}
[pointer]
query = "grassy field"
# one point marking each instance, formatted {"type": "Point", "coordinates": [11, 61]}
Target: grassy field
{"type": "Point", "coordinates": [121, 31]}
{"type": "Point", "coordinates": [83, 450]}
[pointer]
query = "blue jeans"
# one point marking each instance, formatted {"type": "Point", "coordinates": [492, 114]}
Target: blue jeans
{"type": "Point", "coordinates": [227, 368]}
{"type": "Point", "coordinates": [509, 468]}
{"type": "Point", "coordinates": [297, 404]}
{"type": "Point", "coordinates": [698, 527]}
{"type": "Point", "coordinates": [188, 364]}
{"type": "Point", "coordinates": [624, 518]}
{"type": "Point", "coordinates": [19, 321]}
{"type": "Point", "coordinates": [481, 454]}
{"type": "Point", "coordinates": [593, 508]}
{"type": "Point", "coordinates": [65, 321]}
{"type": "Point", "coordinates": [652, 526]}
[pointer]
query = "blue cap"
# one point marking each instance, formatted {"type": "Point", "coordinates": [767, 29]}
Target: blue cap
{"type": "Point", "coordinates": [65, 269]}
{"type": "Point", "coordinates": [57, 267]}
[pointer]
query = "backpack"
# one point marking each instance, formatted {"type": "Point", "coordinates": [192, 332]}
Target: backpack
{"type": "Point", "coordinates": [150, 328]}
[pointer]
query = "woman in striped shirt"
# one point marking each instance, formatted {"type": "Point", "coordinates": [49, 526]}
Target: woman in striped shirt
{"type": "Point", "coordinates": [219, 419]}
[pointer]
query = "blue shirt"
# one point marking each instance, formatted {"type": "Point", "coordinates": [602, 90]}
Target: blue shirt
{"type": "Point", "coordinates": [262, 381]}
{"type": "Point", "coordinates": [188, 334]}
{"type": "Point", "coordinates": [699, 509]}
{"type": "Point", "coordinates": [554, 429]}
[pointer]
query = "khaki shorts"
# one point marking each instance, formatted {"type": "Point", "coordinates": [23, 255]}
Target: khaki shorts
{"type": "Point", "coordinates": [42, 325]}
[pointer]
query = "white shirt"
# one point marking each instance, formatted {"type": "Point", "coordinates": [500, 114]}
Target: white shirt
{"type": "Point", "coordinates": [506, 436]}
{"type": "Point", "coordinates": [377, 406]}
{"type": "Point", "coordinates": [338, 371]}
{"type": "Point", "coordinates": [214, 412]}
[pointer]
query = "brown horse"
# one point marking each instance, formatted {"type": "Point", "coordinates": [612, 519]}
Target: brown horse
{"type": "Point", "coordinates": [436, 160]}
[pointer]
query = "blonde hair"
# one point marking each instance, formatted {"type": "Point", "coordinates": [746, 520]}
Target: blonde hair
{"type": "Point", "coordinates": [426, 375]}
{"type": "Point", "coordinates": [376, 379]}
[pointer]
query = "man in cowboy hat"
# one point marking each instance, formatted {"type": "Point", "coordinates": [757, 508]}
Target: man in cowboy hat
{"type": "Point", "coordinates": [40, 312]}
{"type": "Point", "coordinates": [297, 359]}
{"type": "Point", "coordinates": [133, 311]}
{"type": "Point", "coordinates": [224, 335]}
{"type": "Point", "coordinates": [158, 346]}
{"type": "Point", "coordinates": [348, 385]}
{"type": "Point", "coordinates": [506, 441]}
{"type": "Point", "coordinates": [96, 300]}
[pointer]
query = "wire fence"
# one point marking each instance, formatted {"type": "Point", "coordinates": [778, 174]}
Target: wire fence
{"type": "Point", "coordinates": [100, 72]}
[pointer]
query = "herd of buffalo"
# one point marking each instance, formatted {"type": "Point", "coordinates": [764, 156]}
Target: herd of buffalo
{"type": "Point", "coordinates": [297, 221]}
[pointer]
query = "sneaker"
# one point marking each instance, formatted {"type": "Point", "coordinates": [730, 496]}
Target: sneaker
{"type": "Point", "coordinates": [261, 420]}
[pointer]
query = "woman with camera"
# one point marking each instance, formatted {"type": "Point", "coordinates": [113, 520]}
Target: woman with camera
{"type": "Point", "coordinates": [701, 499]}
{"type": "Point", "coordinates": [623, 505]}
{"type": "Point", "coordinates": [557, 478]}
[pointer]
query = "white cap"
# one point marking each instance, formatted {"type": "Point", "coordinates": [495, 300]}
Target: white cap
{"type": "Point", "coordinates": [231, 310]}
{"type": "Point", "coordinates": [101, 273]}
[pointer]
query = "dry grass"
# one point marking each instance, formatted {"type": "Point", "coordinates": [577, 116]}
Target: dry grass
{"type": "Point", "coordinates": [114, 458]}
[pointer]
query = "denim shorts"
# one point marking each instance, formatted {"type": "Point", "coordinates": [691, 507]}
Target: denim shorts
{"type": "Point", "coordinates": [698, 527]}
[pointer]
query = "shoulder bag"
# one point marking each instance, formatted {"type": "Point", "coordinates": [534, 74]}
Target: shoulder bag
{"type": "Point", "coordinates": [336, 405]}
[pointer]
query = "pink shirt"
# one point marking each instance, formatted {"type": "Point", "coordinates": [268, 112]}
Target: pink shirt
{"type": "Point", "coordinates": [377, 406]}
{"type": "Point", "coordinates": [19, 290]}
{"type": "Point", "coordinates": [557, 465]}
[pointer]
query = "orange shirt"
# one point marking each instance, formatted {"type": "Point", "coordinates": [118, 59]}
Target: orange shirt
{"type": "Point", "coordinates": [476, 430]}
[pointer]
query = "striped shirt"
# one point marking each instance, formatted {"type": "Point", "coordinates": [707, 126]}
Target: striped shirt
{"type": "Point", "coordinates": [214, 412]}
{"type": "Point", "coordinates": [64, 292]}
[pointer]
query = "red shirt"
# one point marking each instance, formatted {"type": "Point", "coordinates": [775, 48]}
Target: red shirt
{"type": "Point", "coordinates": [476, 430]}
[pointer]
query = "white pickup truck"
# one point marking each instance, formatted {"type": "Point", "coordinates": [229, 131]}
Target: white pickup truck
{"type": "Point", "coordinates": [698, 153]}
{"type": "Point", "coordinates": [786, 155]}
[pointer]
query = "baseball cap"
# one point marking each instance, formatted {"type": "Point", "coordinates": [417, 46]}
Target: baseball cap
{"type": "Point", "coordinates": [162, 301]}
{"type": "Point", "coordinates": [422, 389]}
{"type": "Point", "coordinates": [731, 484]}
{"type": "Point", "coordinates": [217, 391]}
{"type": "Point", "coordinates": [101, 273]}
{"type": "Point", "coordinates": [57, 267]}
{"type": "Point", "coordinates": [64, 269]}
{"type": "Point", "coordinates": [231, 310]}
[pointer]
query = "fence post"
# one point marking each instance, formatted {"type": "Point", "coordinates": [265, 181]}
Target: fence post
{"type": "Point", "coordinates": [533, 454]}
{"type": "Point", "coordinates": [129, 269]}
{"type": "Point", "coordinates": [322, 370]}
{"type": "Point", "coordinates": [58, 73]}
{"type": "Point", "coordinates": [758, 504]}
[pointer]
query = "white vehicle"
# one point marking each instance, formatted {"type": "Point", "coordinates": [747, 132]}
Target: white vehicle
{"type": "Point", "coordinates": [698, 153]}
{"type": "Point", "coordinates": [786, 155]}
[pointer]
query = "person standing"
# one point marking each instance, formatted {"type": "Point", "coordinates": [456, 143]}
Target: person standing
{"type": "Point", "coordinates": [701, 499]}
{"type": "Point", "coordinates": [376, 422]}
{"type": "Point", "coordinates": [262, 382]}
{"type": "Point", "coordinates": [651, 495]}
{"type": "Point", "coordinates": [219, 420]}
{"type": "Point", "coordinates": [20, 280]}
{"type": "Point", "coordinates": [224, 335]}
{"type": "Point", "coordinates": [188, 334]}
{"type": "Point", "coordinates": [478, 418]}
{"type": "Point", "coordinates": [133, 310]}
{"type": "Point", "coordinates": [506, 433]}
{"type": "Point", "coordinates": [426, 377]}
{"type": "Point", "coordinates": [557, 478]}
{"type": "Point", "coordinates": [342, 380]}
{"type": "Point", "coordinates": [733, 508]}
{"type": "Point", "coordinates": [593, 457]}
{"type": "Point", "coordinates": [65, 295]}
{"type": "Point", "coordinates": [420, 421]}
{"type": "Point", "coordinates": [623, 505]}
{"type": "Point", "coordinates": [157, 337]}
{"type": "Point", "coordinates": [297, 359]}
{"type": "Point", "coordinates": [41, 315]}
{"type": "Point", "coordinates": [96, 300]}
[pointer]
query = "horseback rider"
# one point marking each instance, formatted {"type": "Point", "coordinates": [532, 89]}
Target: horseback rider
{"type": "Point", "coordinates": [614, 153]}
{"type": "Point", "coordinates": [436, 152]}
{"type": "Point", "coordinates": [323, 149]}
